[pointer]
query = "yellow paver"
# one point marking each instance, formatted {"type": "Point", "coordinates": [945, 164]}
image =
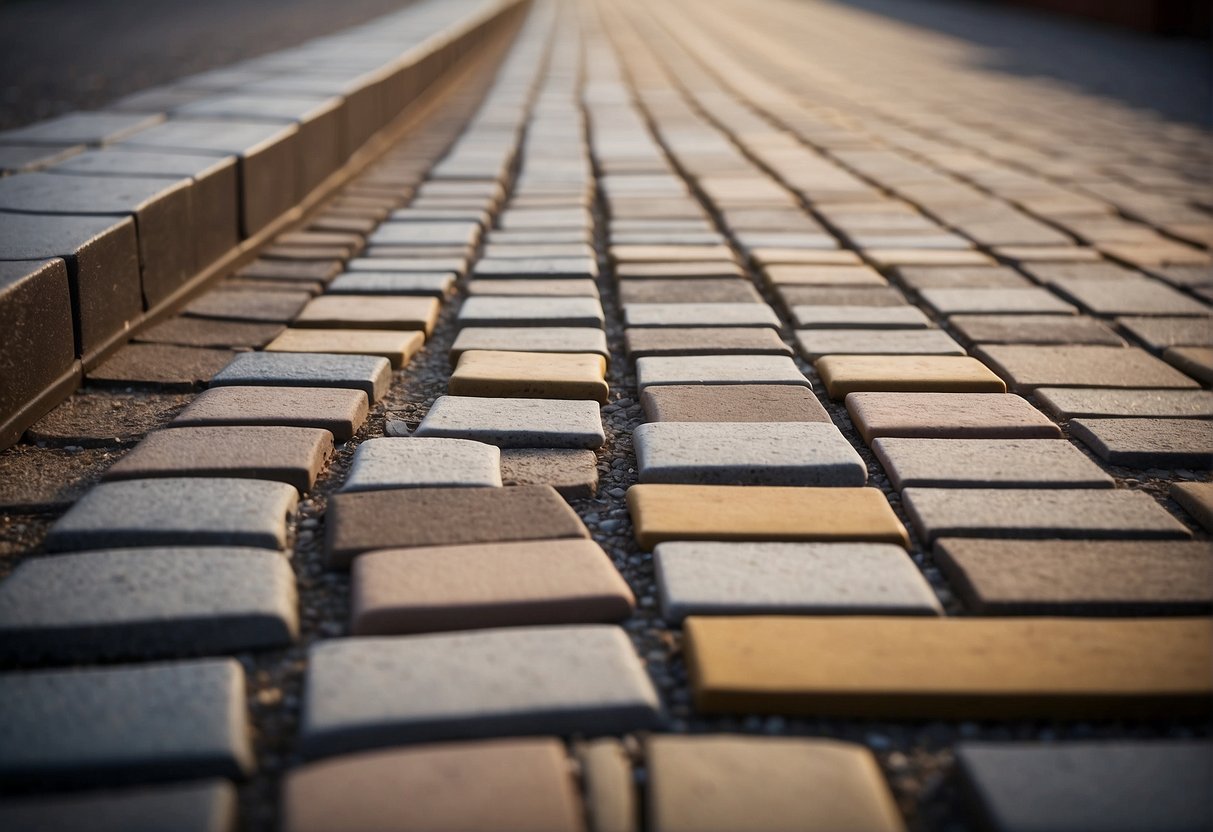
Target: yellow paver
{"type": "Point", "coordinates": [844, 374]}
{"type": "Point", "coordinates": [530, 375]}
{"type": "Point", "coordinates": [396, 346]}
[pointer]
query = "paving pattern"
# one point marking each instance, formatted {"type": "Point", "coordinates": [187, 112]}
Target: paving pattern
{"type": "Point", "coordinates": [712, 416]}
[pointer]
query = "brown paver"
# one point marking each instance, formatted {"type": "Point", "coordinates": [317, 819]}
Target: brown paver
{"type": "Point", "coordinates": [1033, 329]}
{"type": "Point", "coordinates": [951, 668]}
{"type": "Point", "coordinates": [1130, 295]}
{"type": "Point", "coordinates": [732, 403]}
{"type": "Point", "coordinates": [845, 374]}
{"type": "Point", "coordinates": [1148, 443]}
{"type": "Point", "coordinates": [1197, 500]}
{"type": "Point", "coordinates": [1030, 301]}
{"type": "Point", "coordinates": [816, 343]}
{"type": "Point", "coordinates": [530, 375]}
{"type": "Point", "coordinates": [396, 347]}
{"type": "Point", "coordinates": [1195, 361]}
{"type": "Point", "coordinates": [688, 290]}
{"type": "Point", "coordinates": [378, 313]}
{"type": "Point", "coordinates": [646, 341]}
{"type": "Point", "coordinates": [987, 463]}
{"type": "Point", "coordinates": [205, 332]}
{"type": "Point", "coordinates": [163, 365]}
{"type": "Point", "coordinates": [1068, 402]}
{"type": "Point", "coordinates": [948, 416]}
{"type": "Point", "coordinates": [573, 472]}
{"type": "Point", "coordinates": [964, 277]}
{"type": "Point", "coordinates": [339, 411]}
{"type": "Point", "coordinates": [248, 305]}
{"type": "Point", "coordinates": [1160, 333]}
{"type": "Point", "coordinates": [1029, 367]}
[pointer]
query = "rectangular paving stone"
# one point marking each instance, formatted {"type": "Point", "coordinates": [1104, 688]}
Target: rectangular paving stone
{"type": "Point", "coordinates": [338, 410]}
{"type": "Point", "coordinates": [803, 275]}
{"type": "Point", "coordinates": [407, 462]}
{"type": "Point", "coordinates": [397, 346]}
{"type": "Point", "coordinates": [291, 455]}
{"type": "Point", "coordinates": [1036, 514]}
{"type": "Point", "coordinates": [489, 311]}
{"type": "Point", "coordinates": [732, 403]}
{"type": "Point", "coordinates": [1195, 361]}
{"type": "Point", "coordinates": [366, 692]}
{"type": "Point", "coordinates": [370, 374]}
{"type": "Point", "coordinates": [449, 786]}
{"type": "Point", "coordinates": [718, 370]}
{"type": "Point", "coordinates": [803, 256]}
{"type": "Point", "coordinates": [610, 792]}
{"type": "Point", "coordinates": [947, 416]}
{"type": "Point", "coordinates": [176, 511]}
{"type": "Point", "coordinates": [247, 305]}
{"type": "Point", "coordinates": [724, 782]}
{"type": "Point", "coordinates": [1078, 786]}
{"type": "Point", "coordinates": [1160, 333]}
{"type": "Point", "coordinates": [534, 582]}
{"type": "Point", "coordinates": [899, 257]}
{"type": "Point", "coordinates": [687, 290]}
{"type": "Point", "coordinates": [873, 296]}
{"type": "Point", "coordinates": [426, 234]}
{"type": "Point", "coordinates": [166, 366]}
{"type": "Point", "coordinates": [556, 339]}
{"type": "Point", "coordinates": [963, 277]}
{"type": "Point", "coordinates": [1079, 577]}
{"type": "Point", "coordinates": [573, 288]}
{"type": "Point", "coordinates": [844, 374]}
{"type": "Point", "coordinates": [993, 463]}
{"type": "Point", "coordinates": [705, 578]}
{"type": "Point", "coordinates": [747, 453]}
{"type": "Point", "coordinates": [584, 268]}
{"type": "Point", "coordinates": [137, 603]}
{"type": "Point", "coordinates": [670, 341]}
{"type": "Point", "coordinates": [376, 313]}
{"type": "Point", "coordinates": [1033, 329]}
{"type": "Point", "coordinates": [84, 127]}
{"type": "Point", "coordinates": [1196, 499]}
{"type": "Point", "coordinates": [417, 264]}
{"type": "Point", "coordinates": [1148, 443]}
{"type": "Point", "coordinates": [572, 472]}
{"type": "Point", "coordinates": [201, 806]}
{"type": "Point", "coordinates": [97, 726]}
{"type": "Point", "coordinates": [1129, 295]}
{"type": "Point", "coordinates": [530, 375]}
{"type": "Point", "coordinates": [425, 284]}
{"type": "Point", "coordinates": [204, 332]}
{"type": "Point", "coordinates": [816, 343]}
{"type": "Point", "coordinates": [1028, 367]}
{"type": "Point", "coordinates": [751, 512]}
{"type": "Point", "coordinates": [860, 317]}
{"type": "Point", "coordinates": [290, 272]}
{"type": "Point", "coordinates": [401, 518]}
{"type": "Point", "coordinates": [1029, 301]}
{"type": "Point", "coordinates": [660, 253]}
{"type": "Point", "coordinates": [1067, 403]}
{"type": "Point", "coordinates": [695, 269]}
{"type": "Point", "coordinates": [516, 423]}
{"type": "Point", "coordinates": [699, 315]}
{"type": "Point", "coordinates": [951, 668]}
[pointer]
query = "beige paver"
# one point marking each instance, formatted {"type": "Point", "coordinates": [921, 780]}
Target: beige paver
{"type": "Point", "coordinates": [396, 347]}
{"type": "Point", "coordinates": [845, 374]}
{"type": "Point", "coordinates": [378, 313]}
{"type": "Point", "coordinates": [530, 375]}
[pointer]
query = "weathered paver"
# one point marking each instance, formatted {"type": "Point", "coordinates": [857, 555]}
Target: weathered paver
{"type": "Point", "coordinates": [950, 668]}
{"type": "Point", "coordinates": [368, 373]}
{"type": "Point", "coordinates": [732, 403]}
{"type": "Point", "coordinates": [546, 287]}
{"type": "Point", "coordinates": [409, 517]}
{"type": "Point", "coordinates": [727, 782]}
{"type": "Point", "coordinates": [393, 462]}
{"type": "Point", "coordinates": [557, 339]}
{"type": "Point", "coordinates": [746, 453]}
{"type": "Point", "coordinates": [516, 423]}
{"type": "Point", "coordinates": [1195, 361]}
{"type": "Point", "coordinates": [816, 343]}
{"type": "Point", "coordinates": [1077, 786]}
{"type": "Point", "coordinates": [530, 375]}
{"type": "Point", "coordinates": [519, 681]}
{"type": "Point", "coordinates": [161, 365]}
{"type": "Point", "coordinates": [1039, 514]}
{"type": "Point", "coordinates": [517, 785]}
{"type": "Point", "coordinates": [844, 374]}
{"type": "Point", "coordinates": [1158, 333]}
{"type": "Point", "coordinates": [860, 317]}
{"type": "Point", "coordinates": [247, 305]}
{"type": "Point", "coordinates": [709, 578]}
{"type": "Point", "coordinates": [699, 315]}
{"type": "Point", "coordinates": [340, 411]}
{"type": "Point", "coordinates": [572, 472]}
{"type": "Point", "coordinates": [176, 511]}
{"type": "Point", "coordinates": [947, 416]}
{"type": "Point", "coordinates": [1079, 577]}
{"type": "Point", "coordinates": [427, 284]}
{"type": "Point", "coordinates": [962, 277]}
{"type": "Point", "coordinates": [1067, 402]}
{"type": "Point", "coordinates": [987, 463]}
{"type": "Point", "coordinates": [202, 806]}
{"type": "Point", "coordinates": [718, 369]}
{"type": "Point", "coordinates": [687, 290]}
{"type": "Point", "coordinates": [533, 582]}
{"type": "Point", "coordinates": [396, 346]}
{"type": "Point", "coordinates": [1033, 329]}
{"type": "Point", "coordinates": [663, 512]}
{"type": "Point", "coordinates": [1029, 367]}
{"type": "Point", "coordinates": [375, 313]}
{"type": "Point", "coordinates": [132, 603]}
{"type": "Point", "coordinates": [1148, 443]}
{"type": "Point", "coordinates": [291, 455]}
{"type": "Point", "coordinates": [667, 341]}
{"type": "Point", "coordinates": [1196, 499]}
{"type": "Point", "coordinates": [89, 727]}
{"type": "Point", "coordinates": [492, 311]}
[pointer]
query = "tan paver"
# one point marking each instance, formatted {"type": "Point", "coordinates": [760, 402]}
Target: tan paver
{"type": "Point", "coordinates": [1029, 367]}
{"type": "Point", "coordinates": [987, 463]}
{"type": "Point", "coordinates": [732, 403]}
{"type": "Point", "coordinates": [1197, 500]}
{"type": "Point", "coordinates": [530, 375]}
{"type": "Point", "coordinates": [377, 313]}
{"type": "Point", "coordinates": [610, 793]}
{"type": "Point", "coordinates": [948, 416]}
{"type": "Point", "coordinates": [645, 341]}
{"type": "Point", "coordinates": [845, 374]}
{"type": "Point", "coordinates": [396, 347]}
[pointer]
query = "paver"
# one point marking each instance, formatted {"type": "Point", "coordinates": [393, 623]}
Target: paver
{"type": "Point", "coordinates": [530, 375]}
{"type": "Point", "coordinates": [396, 346]}
{"type": "Point", "coordinates": [202, 806]}
{"type": "Point", "coordinates": [491, 311]}
{"type": "Point", "coordinates": [533, 582]}
{"type": "Point", "coordinates": [1160, 333]}
{"type": "Point", "coordinates": [289, 272]}
{"type": "Point", "coordinates": [516, 785]}
{"type": "Point", "coordinates": [149, 722]}
{"type": "Point", "coordinates": [663, 512]}
{"type": "Point", "coordinates": [1030, 301]}
{"type": "Point", "coordinates": [732, 403]}
{"type": "Point", "coordinates": [572, 472]}
{"type": "Point", "coordinates": [368, 373]}
{"type": "Point", "coordinates": [557, 339]}
{"type": "Point", "coordinates": [693, 269]}
{"type": "Point", "coordinates": [427, 284]}
{"type": "Point", "coordinates": [707, 578]}
{"type": "Point", "coordinates": [340, 411]}
{"type": "Point", "coordinates": [247, 305]}
{"type": "Point", "coordinates": [1039, 514]}
{"type": "Point", "coordinates": [900, 257]}
{"type": "Point", "coordinates": [815, 343]}
{"type": "Point", "coordinates": [1033, 329]}
{"type": "Point", "coordinates": [1148, 443]}
{"type": "Point", "coordinates": [746, 453]}
{"type": "Point", "coordinates": [793, 275]}
{"type": "Point", "coordinates": [291, 455]}
{"type": "Point", "coordinates": [845, 296]}
{"type": "Point", "coordinates": [1131, 295]}
{"type": "Point", "coordinates": [1066, 402]}
{"type": "Point", "coordinates": [860, 317]}
{"type": "Point", "coordinates": [993, 463]}
{"type": "Point", "coordinates": [726, 782]}
{"type": "Point", "coordinates": [131, 603]}
{"type": "Point", "coordinates": [549, 287]}
{"type": "Point", "coordinates": [377, 313]}
{"type": "Point", "coordinates": [803, 256]}
{"type": "Point", "coordinates": [607, 780]}
{"type": "Point", "coordinates": [413, 265]}
{"type": "Point", "coordinates": [1196, 499]}
{"type": "Point", "coordinates": [1195, 361]}
{"type": "Point", "coordinates": [1117, 785]}
{"type": "Point", "coordinates": [423, 463]}
{"type": "Point", "coordinates": [647, 341]}
{"type": "Point", "coordinates": [1029, 367]}
{"type": "Point", "coordinates": [963, 277]}
{"type": "Point", "coordinates": [86, 127]}
{"type": "Point", "coordinates": [718, 369]}
{"type": "Point", "coordinates": [1079, 577]}
{"type": "Point", "coordinates": [516, 423]}
{"type": "Point", "coordinates": [410, 517]}
{"type": "Point", "coordinates": [947, 416]}
{"type": "Point", "coordinates": [519, 681]}
{"type": "Point", "coordinates": [164, 365]}
{"type": "Point", "coordinates": [950, 668]}
{"type": "Point", "coordinates": [176, 511]}
{"type": "Point", "coordinates": [844, 374]}
{"type": "Point", "coordinates": [585, 268]}
{"type": "Point", "coordinates": [699, 315]}
{"type": "Point", "coordinates": [688, 290]}
{"type": "Point", "coordinates": [102, 419]}
{"type": "Point", "coordinates": [205, 332]}
{"type": "Point", "coordinates": [660, 253]}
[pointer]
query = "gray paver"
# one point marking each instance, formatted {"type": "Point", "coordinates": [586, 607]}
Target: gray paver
{"type": "Point", "coordinates": [860, 317]}
{"type": "Point", "coordinates": [572, 472]}
{"type": "Point", "coordinates": [248, 305]}
{"type": "Point", "coordinates": [430, 284]}
{"type": "Point", "coordinates": [127, 603]}
{"type": "Point", "coordinates": [747, 453]}
{"type": "Point", "coordinates": [423, 463]}
{"type": "Point", "coordinates": [814, 343]}
{"type": "Point", "coordinates": [718, 369]}
{"type": "Point", "coordinates": [176, 511]}
{"type": "Point", "coordinates": [706, 578]}
{"type": "Point", "coordinates": [1067, 403]}
{"type": "Point", "coordinates": [992, 463]}
{"type": "Point", "coordinates": [496, 311]}
{"type": "Point", "coordinates": [562, 267]}
{"type": "Point", "coordinates": [699, 314]}
{"type": "Point", "coordinates": [948, 416]}
{"type": "Point", "coordinates": [531, 339]}
{"type": "Point", "coordinates": [366, 692]}
{"type": "Point", "coordinates": [338, 410]}
{"type": "Point", "coordinates": [147, 722]}
{"type": "Point", "coordinates": [1033, 329]}
{"type": "Point", "coordinates": [1148, 443]}
{"type": "Point", "coordinates": [1029, 367]}
{"type": "Point", "coordinates": [516, 423]}
{"type": "Point", "coordinates": [203, 806]}
{"type": "Point", "coordinates": [369, 373]}
{"type": "Point", "coordinates": [1160, 333]}
{"type": "Point", "coordinates": [1132, 295]}
{"type": "Point", "coordinates": [545, 287]}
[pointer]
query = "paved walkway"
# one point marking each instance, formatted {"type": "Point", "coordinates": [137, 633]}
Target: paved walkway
{"type": "Point", "coordinates": [719, 416]}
